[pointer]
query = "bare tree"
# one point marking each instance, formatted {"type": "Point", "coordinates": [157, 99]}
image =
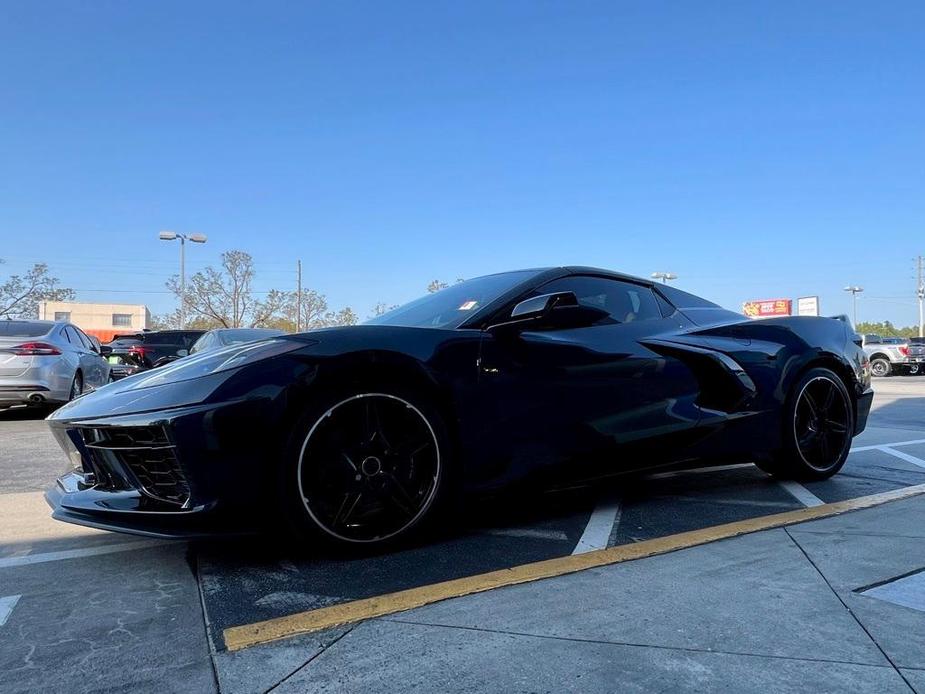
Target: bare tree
{"type": "Point", "coordinates": [436, 286]}
{"type": "Point", "coordinates": [381, 307]}
{"type": "Point", "coordinates": [345, 316]}
{"type": "Point", "coordinates": [313, 307]}
{"type": "Point", "coordinates": [20, 295]}
{"type": "Point", "coordinates": [171, 321]}
{"type": "Point", "coordinates": [225, 296]}
{"type": "Point", "coordinates": [265, 313]}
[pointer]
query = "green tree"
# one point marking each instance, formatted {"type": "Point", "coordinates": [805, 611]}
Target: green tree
{"type": "Point", "coordinates": [885, 329]}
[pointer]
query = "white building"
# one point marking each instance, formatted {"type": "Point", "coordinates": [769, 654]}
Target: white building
{"type": "Point", "coordinates": [98, 318]}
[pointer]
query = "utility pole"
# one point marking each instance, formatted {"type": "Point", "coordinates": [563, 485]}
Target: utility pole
{"type": "Point", "coordinates": [920, 292]}
{"type": "Point", "coordinates": [298, 299]}
{"type": "Point", "coordinates": [664, 276]}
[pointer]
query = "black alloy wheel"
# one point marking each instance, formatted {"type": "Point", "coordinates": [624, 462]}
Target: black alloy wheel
{"type": "Point", "coordinates": [370, 468]}
{"type": "Point", "coordinates": [817, 428]}
{"type": "Point", "coordinates": [822, 423]}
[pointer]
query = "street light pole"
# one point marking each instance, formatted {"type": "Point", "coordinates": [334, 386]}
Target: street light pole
{"type": "Point", "coordinates": [664, 276]}
{"type": "Point", "coordinates": [855, 290]}
{"type": "Point", "coordinates": [195, 238]}
{"type": "Point", "coordinates": [920, 292]}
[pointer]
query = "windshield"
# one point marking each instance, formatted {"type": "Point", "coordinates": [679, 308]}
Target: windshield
{"type": "Point", "coordinates": [233, 337]}
{"type": "Point", "coordinates": [24, 328]}
{"type": "Point", "coordinates": [449, 307]}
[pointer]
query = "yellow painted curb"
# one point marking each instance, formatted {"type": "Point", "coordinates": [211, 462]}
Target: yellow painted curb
{"type": "Point", "coordinates": [247, 635]}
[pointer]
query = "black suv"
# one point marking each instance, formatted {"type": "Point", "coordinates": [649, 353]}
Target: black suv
{"type": "Point", "coordinates": [155, 347]}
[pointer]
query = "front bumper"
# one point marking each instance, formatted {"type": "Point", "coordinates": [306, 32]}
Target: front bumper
{"type": "Point", "coordinates": [189, 472]}
{"type": "Point", "coordinates": [865, 400]}
{"type": "Point", "coordinates": [72, 501]}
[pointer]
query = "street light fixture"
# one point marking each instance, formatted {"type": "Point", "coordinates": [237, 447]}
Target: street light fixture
{"type": "Point", "coordinates": [855, 290]}
{"type": "Point", "coordinates": [664, 276]}
{"type": "Point", "coordinates": [195, 238]}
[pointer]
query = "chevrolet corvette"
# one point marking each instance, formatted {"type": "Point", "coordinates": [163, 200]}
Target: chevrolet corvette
{"type": "Point", "coordinates": [362, 435]}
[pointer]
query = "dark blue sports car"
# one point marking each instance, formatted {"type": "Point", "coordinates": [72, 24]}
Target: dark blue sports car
{"type": "Point", "coordinates": [363, 434]}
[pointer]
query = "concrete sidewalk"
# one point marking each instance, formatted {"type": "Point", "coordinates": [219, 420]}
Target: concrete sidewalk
{"type": "Point", "coordinates": [833, 605]}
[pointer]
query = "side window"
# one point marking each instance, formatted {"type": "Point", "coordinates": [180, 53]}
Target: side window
{"type": "Point", "coordinates": [203, 343]}
{"type": "Point", "coordinates": [88, 343]}
{"type": "Point", "coordinates": [624, 301]}
{"type": "Point", "coordinates": [72, 336]}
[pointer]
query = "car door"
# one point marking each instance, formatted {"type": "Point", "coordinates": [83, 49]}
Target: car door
{"type": "Point", "coordinates": [85, 356]}
{"type": "Point", "coordinates": [97, 362]}
{"type": "Point", "coordinates": [595, 393]}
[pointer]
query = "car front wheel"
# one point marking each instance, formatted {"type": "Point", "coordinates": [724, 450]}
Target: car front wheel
{"type": "Point", "coordinates": [817, 429]}
{"type": "Point", "coordinates": [368, 468]}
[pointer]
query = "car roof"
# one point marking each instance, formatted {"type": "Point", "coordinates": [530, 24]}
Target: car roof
{"type": "Point", "coordinates": [585, 270]}
{"type": "Point", "coordinates": [48, 324]}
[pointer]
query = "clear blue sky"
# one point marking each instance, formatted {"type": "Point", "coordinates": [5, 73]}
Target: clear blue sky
{"type": "Point", "coordinates": [758, 150]}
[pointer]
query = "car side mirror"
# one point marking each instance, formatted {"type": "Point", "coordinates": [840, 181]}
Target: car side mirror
{"type": "Point", "coordinates": [540, 306]}
{"type": "Point", "coordinates": [557, 310]}
{"type": "Point", "coordinates": [182, 352]}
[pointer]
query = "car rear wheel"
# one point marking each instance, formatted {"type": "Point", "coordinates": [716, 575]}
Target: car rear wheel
{"type": "Point", "coordinates": [369, 467]}
{"type": "Point", "coordinates": [77, 386]}
{"type": "Point", "coordinates": [880, 367]}
{"type": "Point", "coordinates": [818, 426]}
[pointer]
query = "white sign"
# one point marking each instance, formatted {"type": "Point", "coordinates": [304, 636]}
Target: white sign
{"type": "Point", "coordinates": [808, 306]}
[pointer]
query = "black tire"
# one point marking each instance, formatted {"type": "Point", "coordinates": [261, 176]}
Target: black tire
{"type": "Point", "coordinates": [816, 429]}
{"type": "Point", "coordinates": [881, 367]}
{"type": "Point", "coordinates": [77, 386]}
{"type": "Point", "coordinates": [400, 458]}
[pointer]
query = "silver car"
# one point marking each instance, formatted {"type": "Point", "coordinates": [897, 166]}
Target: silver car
{"type": "Point", "coordinates": [47, 362]}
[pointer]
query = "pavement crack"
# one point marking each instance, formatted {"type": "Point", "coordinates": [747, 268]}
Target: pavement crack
{"type": "Point", "coordinates": [850, 611]}
{"type": "Point", "coordinates": [309, 661]}
{"type": "Point", "coordinates": [686, 649]}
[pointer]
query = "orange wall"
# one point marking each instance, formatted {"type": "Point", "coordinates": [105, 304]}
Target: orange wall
{"type": "Point", "coordinates": [107, 335]}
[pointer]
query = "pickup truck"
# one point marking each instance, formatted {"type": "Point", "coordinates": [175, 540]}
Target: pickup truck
{"type": "Point", "coordinates": [888, 358]}
{"type": "Point", "coordinates": [917, 354]}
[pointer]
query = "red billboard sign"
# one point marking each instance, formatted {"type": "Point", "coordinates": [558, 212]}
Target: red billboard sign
{"type": "Point", "coordinates": [765, 308]}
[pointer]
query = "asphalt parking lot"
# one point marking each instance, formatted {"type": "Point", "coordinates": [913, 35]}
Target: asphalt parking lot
{"type": "Point", "coordinates": [86, 610]}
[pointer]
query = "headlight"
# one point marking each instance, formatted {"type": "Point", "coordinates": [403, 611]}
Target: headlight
{"type": "Point", "coordinates": [211, 362]}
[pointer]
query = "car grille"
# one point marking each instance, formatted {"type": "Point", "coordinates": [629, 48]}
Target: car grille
{"type": "Point", "coordinates": [137, 457]}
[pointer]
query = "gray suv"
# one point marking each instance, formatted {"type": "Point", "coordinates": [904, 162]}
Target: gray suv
{"type": "Point", "coordinates": [47, 362]}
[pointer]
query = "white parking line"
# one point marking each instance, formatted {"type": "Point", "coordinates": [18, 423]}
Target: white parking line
{"type": "Point", "coordinates": [599, 528]}
{"type": "Point", "coordinates": [8, 562]}
{"type": "Point", "coordinates": [878, 446]}
{"type": "Point", "coordinates": [801, 493]}
{"type": "Point", "coordinates": [6, 607]}
{"type": "Point", "coordinates": [902, 456]}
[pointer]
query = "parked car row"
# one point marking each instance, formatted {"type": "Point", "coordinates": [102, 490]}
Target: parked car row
{"type": "Point", "coordinates": [52, 362]}
{"type": "Point", "coordinates": [895, 355]}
